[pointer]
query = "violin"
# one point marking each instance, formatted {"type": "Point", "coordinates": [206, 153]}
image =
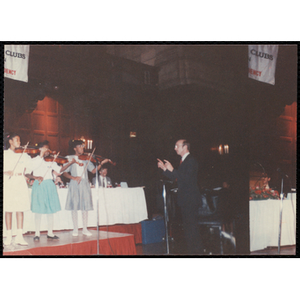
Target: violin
{"type": "Point", "coordinates": [60, 160]}
{"type": "Point", "coordinates": [31, 150]}
{"type": "Point", "coordinates": [100, 158]}
{"type": "Point", "coordinates": [94, 158]}
{"type": "Point", "coordinates": [27, 150]}
{"type": "Point", "coordinates": [86, 156]}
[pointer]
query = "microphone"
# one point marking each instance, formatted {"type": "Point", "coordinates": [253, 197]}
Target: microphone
{"type": "Point", "coordinates": [282, 174]}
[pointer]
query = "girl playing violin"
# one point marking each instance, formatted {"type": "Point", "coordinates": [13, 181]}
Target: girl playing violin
{"type": "Point", "coordinates": [44, 196]}
{"type": "Point", "coordinates": [15, 196]}
{"type": "Point", "coordinates": [79, 193]}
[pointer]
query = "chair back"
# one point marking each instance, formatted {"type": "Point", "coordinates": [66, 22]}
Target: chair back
{"type": "Point", "coordinates": [212, 205]}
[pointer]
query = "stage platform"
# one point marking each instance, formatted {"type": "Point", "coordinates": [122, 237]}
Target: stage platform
{"type": "Point", "coordinates": [135, 229]}
{"type": "Point", "coordinates": [110, 243]}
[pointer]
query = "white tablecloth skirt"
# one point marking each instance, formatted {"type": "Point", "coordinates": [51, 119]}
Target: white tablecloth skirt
{"type": "Point", "coordinates": [116, 206]}
{"type": "Point", "coordinates": [264, 222]}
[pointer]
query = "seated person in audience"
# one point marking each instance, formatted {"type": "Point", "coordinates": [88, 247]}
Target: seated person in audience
{"type": "Point", "coordinates": [103, 179]}
{"type": "Point", "coordinates": [265, 182]}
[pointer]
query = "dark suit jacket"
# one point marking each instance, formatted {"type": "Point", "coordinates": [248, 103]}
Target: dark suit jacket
{"type": "Point", "coordinates": [186, 175]}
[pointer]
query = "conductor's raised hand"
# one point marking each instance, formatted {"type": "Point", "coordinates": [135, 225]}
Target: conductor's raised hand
{"type": "Point", "coordinates": [161, 165]}
{"type": "Point", "coordinates": [168, 165]}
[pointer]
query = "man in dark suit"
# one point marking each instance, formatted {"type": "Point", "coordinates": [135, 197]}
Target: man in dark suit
{"type": "Point", "coordinates": [103, 179]}
{"type": "Point", "coordinates": [188, 195]}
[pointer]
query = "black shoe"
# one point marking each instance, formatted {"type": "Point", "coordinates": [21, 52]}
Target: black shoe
{"type": "Point", "coordinates": [36, 238]}
{"type": "Point", "coordinates": [53, 237]}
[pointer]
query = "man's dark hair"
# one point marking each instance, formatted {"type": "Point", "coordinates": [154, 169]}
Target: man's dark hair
{"type": "Point", "coordinates": [42, 144]}
{"type": "Point", "coordinates": [105, 166]}
{"type": "Point", "coordinates": [186, 143]}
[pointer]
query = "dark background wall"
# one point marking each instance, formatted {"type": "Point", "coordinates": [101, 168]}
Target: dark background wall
{"type": "Point", "coordinates": [163, 93]}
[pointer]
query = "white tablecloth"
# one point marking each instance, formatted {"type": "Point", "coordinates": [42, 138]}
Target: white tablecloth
{"type": "Point", "coordinates": [264, 222]}
{"type": "Point", "coordinates": [116, 206]}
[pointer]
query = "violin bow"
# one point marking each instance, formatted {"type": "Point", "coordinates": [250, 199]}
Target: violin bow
{"type": "Point", "coordinates": [87, 163]}
{"type": "Point", "coordinates": [55, 156]}
{"type": "Point", "coordinates": [25, 147]}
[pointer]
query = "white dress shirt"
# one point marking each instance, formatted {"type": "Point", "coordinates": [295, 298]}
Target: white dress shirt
{"type": "Point", "coordinates": [184, 156]}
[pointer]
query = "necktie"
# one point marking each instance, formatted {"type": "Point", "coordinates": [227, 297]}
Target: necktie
{"type": "Point", "coordinates": [103, 182]}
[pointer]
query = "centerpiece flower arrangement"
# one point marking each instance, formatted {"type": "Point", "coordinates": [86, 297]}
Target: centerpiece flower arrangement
{"type": "Point", "coordinates": [264, 192]}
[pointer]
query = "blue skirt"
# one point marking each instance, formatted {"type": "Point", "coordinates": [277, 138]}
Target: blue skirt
{"type": "Point", "coordinates": [44, 197]}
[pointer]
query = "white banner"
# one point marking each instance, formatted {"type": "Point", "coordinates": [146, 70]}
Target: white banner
{"type": "Point", "coordinates": [16, 59]}
{"type": "Point", "coordinates": [262, 62]}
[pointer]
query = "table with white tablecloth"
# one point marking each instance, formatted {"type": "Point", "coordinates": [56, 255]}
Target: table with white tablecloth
{"type": "Point", "coordinates": [264, 222]}
{"type": "Point", "coordinates": [116, 206]}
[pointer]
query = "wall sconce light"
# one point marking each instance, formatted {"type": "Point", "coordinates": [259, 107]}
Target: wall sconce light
{"type": "Point", "coordinates": [132, 134]}
{"type": "Point", "coordinates": [221, 149]}
{"type": "Point", "coordinates": [226, 149]}
{"type": "Point", "coordinates": [89, 144]}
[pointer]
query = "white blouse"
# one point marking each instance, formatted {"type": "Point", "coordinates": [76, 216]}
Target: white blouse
{"type": "Point", "coordinates": [77, 170]}
{"type": "Point", "coordinates": [43, 168]}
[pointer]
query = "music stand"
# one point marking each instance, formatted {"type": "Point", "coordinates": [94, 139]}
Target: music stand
{"type": "Point", "coordinates": [97, 186]}
{"type": "Point", "coordinates": [280, 216]}
{"type": "Point", "coordinates": [166, 214]}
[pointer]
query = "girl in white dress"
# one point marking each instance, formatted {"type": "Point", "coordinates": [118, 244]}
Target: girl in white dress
{"type": "Point", "coordinates": [16, 195]}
